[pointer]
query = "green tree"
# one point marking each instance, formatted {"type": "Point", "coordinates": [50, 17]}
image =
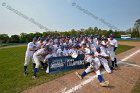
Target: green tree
{"type": "Point", "coordinates": [14, 39]}
{"type": "Point", "coordinates": [73, 32]}
{"type": "Point", "coordinates": [4, 38]}
{"type": "Point", "coordinates": [23, 37]}
{"type": "Point", "coordinates": [38, 34]}
{"type": "Point", "coordinates": [135, 33]}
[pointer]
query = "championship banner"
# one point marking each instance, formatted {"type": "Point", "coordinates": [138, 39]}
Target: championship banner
{"type": "Point", "coordinates": [60, 64]}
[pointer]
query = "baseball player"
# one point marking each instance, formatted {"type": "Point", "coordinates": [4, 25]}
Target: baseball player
{"type": "Point", "coordinates": [31, 48]}
{"type": "Point", "coordinates": [85, 51]}
{"type": "Point", "coordinates": [38, 55]}
{"type": "Point", "coordinates": [103, 57]}
{"type": "Point", "coordinates": [40, 43]}
{"type": "Point", "coordinates": [94, 66]}
{"type": "Point", "coordinates": [112, 46]}
{"type": "Point", "coordinates": [60, 51]}
{"type": "Point", "coordinates": [103, 46]}
{"type": "Point", "coordinates": [66, 51]}
{"type": "Point", "coordinates": [56, 46]}
{"type": "Point", "coordinates": [49, 55]}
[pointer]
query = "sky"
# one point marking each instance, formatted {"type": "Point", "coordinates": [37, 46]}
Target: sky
{"type": "Point", "coordinates": [62, 15]}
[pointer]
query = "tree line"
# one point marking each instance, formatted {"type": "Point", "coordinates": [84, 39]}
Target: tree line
{"type": "Point", "coordinates": [24, 37]}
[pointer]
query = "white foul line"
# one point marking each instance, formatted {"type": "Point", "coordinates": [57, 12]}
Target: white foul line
{"type": "Point", "coordinates": [77, 87]}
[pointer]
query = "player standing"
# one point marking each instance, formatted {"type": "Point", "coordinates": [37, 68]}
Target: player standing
{"type": "Point", "coordinates": [112, 46]}
{"type": "Point", "coordinates": [31, 48]}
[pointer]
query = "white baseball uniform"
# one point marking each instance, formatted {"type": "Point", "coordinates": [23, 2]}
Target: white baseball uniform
{"type": "Point", "coordinates": [103, 61]}
{"type": "Point", "coordinates": [96, 65]}
{"type": "Point", "coordinates": [38, 56]}
{"type": "Point", "coordinates": [111, 48]}
{"type": "Point", "coordinates": [29, 53]}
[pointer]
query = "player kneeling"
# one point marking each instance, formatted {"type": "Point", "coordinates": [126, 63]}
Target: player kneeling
{"type": "Point", "coordinates": [37, 57]}
{"type": "Point", "coordinates": [94, 66]}
{"type": "Point", "coordinates": [50, 55]}
{"type": "Point", "coordinates": [103, 57]}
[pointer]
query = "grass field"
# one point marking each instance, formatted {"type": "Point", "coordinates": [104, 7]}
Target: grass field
{"type": "Point", "coordinates": [129, 40]}
{"type": "Point", "coordinates": [11, 70]}
{"type": "Point", "coordinates": [136, 88]}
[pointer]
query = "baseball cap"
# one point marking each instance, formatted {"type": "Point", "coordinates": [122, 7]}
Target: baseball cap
{"type": "Point", "coordinates": [34, 38]}
{"type": "Point", "coordinates": [47, 39]}
{"type": "Point", "coordinates": [46, 46]}
{"type": "Point", "coordinates": [76, 46]}
{"type": "Point", "coordinates": [49, 49]}
{"type": "Point", "coordinates": [98, 48]}
{"type": "Point", "coordinates": [41, 38]}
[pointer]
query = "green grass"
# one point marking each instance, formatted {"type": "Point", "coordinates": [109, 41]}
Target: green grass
{"type": "Point", "coordinates": [130, 40]}
{"type": "Point", "coordinates": [123, 48]}
{"type": "Point", "coordinates": [11, 70]}
{"type": "Point", "coordinates": [136, 88]}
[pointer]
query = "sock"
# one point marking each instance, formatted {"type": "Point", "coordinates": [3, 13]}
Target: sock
{"type": "Point", "coordinates": [42, 64]}
{"type": "Point", "coordinates": [35, 70]}
{"type": "Point", "coordinates": [113, 63]}
{"type": "Point", "coordinates": [100, 78]}
{"type": "Point", "coordinates": [84, 74]}
{"type": "Point", "coordinates": [25, 67]}
{"type": "Point", "coordinates": [34, 65]}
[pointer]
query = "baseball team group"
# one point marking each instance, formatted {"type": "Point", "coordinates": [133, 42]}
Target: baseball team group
{"type": "Point", "coordinates": [99, 53]}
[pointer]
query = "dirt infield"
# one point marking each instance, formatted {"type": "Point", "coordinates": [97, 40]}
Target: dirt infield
{"type": "Point", "coordinates": [121, 81]}
{"type": "Point", "coordinates": [12, 46]}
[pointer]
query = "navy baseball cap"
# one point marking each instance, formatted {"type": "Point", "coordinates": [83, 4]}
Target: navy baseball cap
{"type": "Point", "coordinates": [47, 39]}
{"type": "Point", "coordinates": [76, 46]}
{"type": "Point", "coordinates": [49, 49]}
{"type": "Point", "coordinates": [35, 38]}
{"type": "Point", "coordinates": [46, 46]}
{"type": "Point", "coordinates": [41, 38]}
{"type": "Point", "coordinates": [98, 48]}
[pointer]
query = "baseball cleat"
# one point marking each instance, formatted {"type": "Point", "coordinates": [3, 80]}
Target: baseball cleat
{"type": "Point", "coordinates": [34, 77]}
{"type": "Point", "coordinates": [78, 75]}
{"type": "Point", "coordinates": [25, 74]}
{"type": "Point", "coordinates": [107, 82]}
{"type": "Point", "coordinates": [104, 84]}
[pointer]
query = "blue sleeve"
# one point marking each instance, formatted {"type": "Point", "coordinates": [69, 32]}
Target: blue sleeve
{"type": "Point", "coordinates": [115, 48]}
